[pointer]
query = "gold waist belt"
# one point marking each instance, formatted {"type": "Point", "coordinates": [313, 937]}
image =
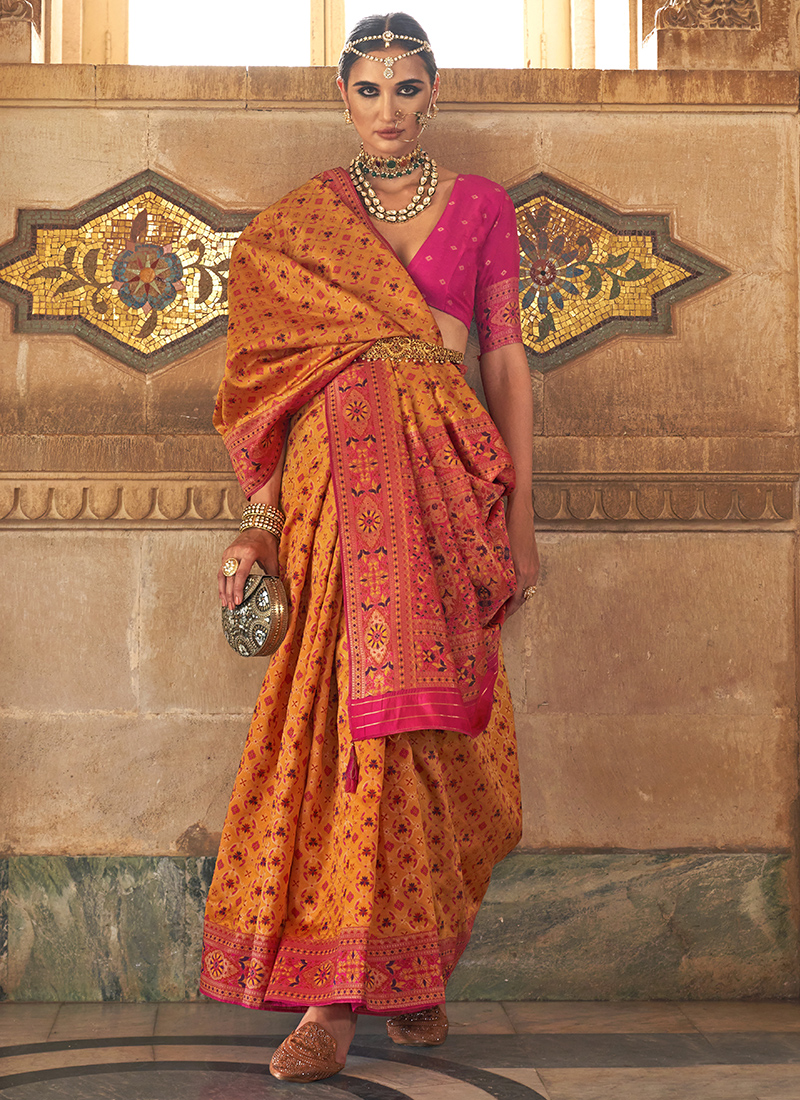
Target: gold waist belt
{"type": "Point", "coordinates": [415, 351]}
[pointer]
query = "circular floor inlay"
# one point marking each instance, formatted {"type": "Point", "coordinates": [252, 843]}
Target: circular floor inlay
{"type": "Point", "coordinates": [217, 1073]}
{"type": "Point", "coordinates": [150, 1081]}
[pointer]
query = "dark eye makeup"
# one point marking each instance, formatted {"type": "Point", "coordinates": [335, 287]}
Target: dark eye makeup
{"type": "Point", "coordinates": [407, 90]}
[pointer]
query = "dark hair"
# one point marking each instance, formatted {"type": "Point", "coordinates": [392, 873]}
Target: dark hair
{"type": "Point", "coordinates": [403, 26]}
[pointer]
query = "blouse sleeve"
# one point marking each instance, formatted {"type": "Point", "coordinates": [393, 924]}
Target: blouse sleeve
{"type": "Point", "coordinates": [497, 290]}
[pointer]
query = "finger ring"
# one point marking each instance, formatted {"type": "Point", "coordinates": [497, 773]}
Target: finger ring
{"type": "Point", "coordinates": [529, 592]}
{"type": "Point", "coordinates": [230, 567]}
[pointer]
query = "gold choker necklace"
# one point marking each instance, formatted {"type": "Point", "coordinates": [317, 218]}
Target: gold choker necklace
{"type": "Point", "coordinates": [390, 168]}
{"type": "Point", "coordinates": [422, 199]}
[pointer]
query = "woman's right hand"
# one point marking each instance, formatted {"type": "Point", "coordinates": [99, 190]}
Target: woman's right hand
{"type": "Point", "coordinates": [250, 546]}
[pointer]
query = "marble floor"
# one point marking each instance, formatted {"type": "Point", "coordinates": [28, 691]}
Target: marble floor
{"type": "Point", "coordinates": [509, 1051]}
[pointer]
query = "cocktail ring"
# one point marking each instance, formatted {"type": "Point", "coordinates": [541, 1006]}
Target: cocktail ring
{"type": "Point", "coordinates": [230, 567]}
{"type": "Point", "coordinates": [529, 592]}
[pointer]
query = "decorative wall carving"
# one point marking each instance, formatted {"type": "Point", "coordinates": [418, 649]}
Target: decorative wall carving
{"type": "Point", "coordinates": [709, 15]}
{"type": "Point", "coordinates": [80, 501]}
{"type": "Point", "coordinates": [589, 273]}
{"type": "Point", "coordinates": [140, 272]}
{"type": "Point", "coordinates": [17, 9]}
{"type": "Point", "coordinates": [76, 501]}
{"type": "Point", "coordinates": [654, 500]}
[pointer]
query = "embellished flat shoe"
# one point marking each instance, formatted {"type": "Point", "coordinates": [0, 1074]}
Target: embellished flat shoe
{"type": "Point", "coordinates": [427, 1028]}
{"type": "Point", "coordinates": [308, 1054]}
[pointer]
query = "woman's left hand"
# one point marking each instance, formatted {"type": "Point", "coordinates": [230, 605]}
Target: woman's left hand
{"type": "Point", "coordinates": [521, 535]}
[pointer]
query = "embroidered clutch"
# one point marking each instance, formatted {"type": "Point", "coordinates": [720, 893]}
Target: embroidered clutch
{"type": "Point", "coordinates": [258, 625]}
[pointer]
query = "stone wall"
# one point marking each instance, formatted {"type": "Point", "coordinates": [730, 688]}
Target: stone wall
{"type": "Point", "coordinates": [655, 673]}
{"type": "Point", "coordinates": [725, 34]}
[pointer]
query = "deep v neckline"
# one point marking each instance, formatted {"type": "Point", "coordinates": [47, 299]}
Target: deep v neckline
{"type": "Point", "coordinates": [380, 237]}
{"type": "Point", "coordinates": [436, 227]}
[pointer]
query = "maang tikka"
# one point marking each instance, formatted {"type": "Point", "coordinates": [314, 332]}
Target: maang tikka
{"type": "Point", "coordinates": [388, 37]}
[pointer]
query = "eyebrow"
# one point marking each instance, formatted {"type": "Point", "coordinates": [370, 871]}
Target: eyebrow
{"type": "Point", "coordinates": [374, 83]}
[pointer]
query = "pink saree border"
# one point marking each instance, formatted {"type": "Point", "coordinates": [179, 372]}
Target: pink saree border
{"type": "Point", "coordinates": [432, 709]}
{"type": "Point", "coordinates": [403, 973]}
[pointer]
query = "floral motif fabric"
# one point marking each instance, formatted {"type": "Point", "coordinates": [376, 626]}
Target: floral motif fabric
{"type": "Point", "coordinates": [419, 468]}
{"type": "Point", "coordinates": [310, 290]}
{"type": "Point", "coordinates": [320, 895]}
{"type": "Point", "coordinates": [419, 473]}
{"type": "Point", "coordinates": [329, 889]}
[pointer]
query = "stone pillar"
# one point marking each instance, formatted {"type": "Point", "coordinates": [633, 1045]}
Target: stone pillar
{"type": "Point", "coordinates": [583, 34]}
{"type": "Point", "coordinates": [20, 40]}
{"type": "Point", "coordinates": [53, 31]}
{"type": "Point", "coordinates": [327, 31]}
{"type": "Point", "coordinates": [548, 34]}
{"type": "Point", "coordinates": [727, 34]}
{"type": "Point", "coordinates": [105, 32]}
{"type": "Point", "coordinates": [72, 32]}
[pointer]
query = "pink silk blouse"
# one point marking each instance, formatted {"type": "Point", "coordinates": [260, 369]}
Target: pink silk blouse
{"type": "Point", "coordinates": [469, 265]}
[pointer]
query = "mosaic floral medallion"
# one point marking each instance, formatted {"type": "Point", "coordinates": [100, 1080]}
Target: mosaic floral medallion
{"type": "Point", "coordinates": [140, 272]}
{"type": "Point", "coordinates": [588, 273]}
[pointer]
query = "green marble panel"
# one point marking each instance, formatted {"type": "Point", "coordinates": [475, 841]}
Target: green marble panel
{"type": "Point", "coordinates": [199, 872]}
{"type": "Point", "coordinates": [622, 926]}
{"type": "Point", "coordinates": [554, 926]}
{"type": "Point", "coordinates": [97, 929]}
{"type": "Point", "coordinates": [3, 928]}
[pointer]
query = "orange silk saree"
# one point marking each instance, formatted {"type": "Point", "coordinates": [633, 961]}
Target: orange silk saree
{"type": "Point", "coordinates": [364, 823]}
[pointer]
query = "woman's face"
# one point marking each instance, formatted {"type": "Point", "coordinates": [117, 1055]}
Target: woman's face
{"type": "Point", "coordinates": [384, 109]}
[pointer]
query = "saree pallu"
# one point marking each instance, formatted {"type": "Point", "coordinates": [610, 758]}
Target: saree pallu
{"type": "Point", "coordinates": [364, 824]}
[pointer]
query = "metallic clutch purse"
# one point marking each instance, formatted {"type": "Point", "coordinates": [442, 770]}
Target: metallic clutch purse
{"type": "Point", "coordinates": [258, 625]}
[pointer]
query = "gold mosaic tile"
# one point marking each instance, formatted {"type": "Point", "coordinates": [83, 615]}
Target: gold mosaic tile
{"type": "Point", "coordinates": [140, 271]}
{"type": "Point", "coordinates": [588, 273]}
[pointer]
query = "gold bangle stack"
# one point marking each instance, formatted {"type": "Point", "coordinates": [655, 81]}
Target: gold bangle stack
{"type": "Point", "coordinates": [265, 517]}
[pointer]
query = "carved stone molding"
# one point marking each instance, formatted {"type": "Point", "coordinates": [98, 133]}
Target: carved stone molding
{"type": "Point", "coordinates": [578, 501]}
{"type": "Point", "coordinates": [654, 501]}
{"type": "Point", "coordinates": [709, 15]}
{"type": "Point", "coordinates": [17, 9]}
{"type": "Point", "coordinates": [73, 502]}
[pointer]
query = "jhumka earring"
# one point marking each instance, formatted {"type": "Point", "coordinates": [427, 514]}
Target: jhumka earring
{"type": "Point", "coordinates": [348, 118]}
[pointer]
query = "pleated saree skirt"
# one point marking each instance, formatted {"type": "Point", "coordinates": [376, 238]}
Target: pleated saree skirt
{"type": "Point", "coordinates": [324, 894]}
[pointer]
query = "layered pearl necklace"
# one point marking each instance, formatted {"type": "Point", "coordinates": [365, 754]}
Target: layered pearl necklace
{"type": "Point", "coordinates": [390, 168]}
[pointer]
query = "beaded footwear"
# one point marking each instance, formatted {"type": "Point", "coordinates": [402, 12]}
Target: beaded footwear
{"type": "Point", "coordinates": [427, 1028]}
{"type": "Point", "coordinates": [308, 1054]}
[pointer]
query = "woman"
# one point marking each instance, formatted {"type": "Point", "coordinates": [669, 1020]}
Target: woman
{"type": "Point", "coordinates": [379, 782]}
